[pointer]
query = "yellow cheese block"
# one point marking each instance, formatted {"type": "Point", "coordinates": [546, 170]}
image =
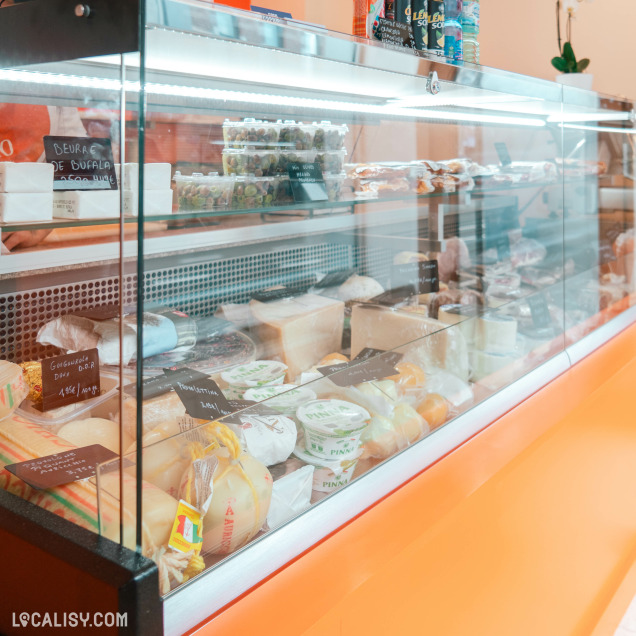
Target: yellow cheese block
{"type": "Point", "coordinates": [299, 331]}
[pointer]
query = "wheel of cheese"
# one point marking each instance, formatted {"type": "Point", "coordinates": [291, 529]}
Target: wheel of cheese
{"type": "Point", "coordinates": [434, 409]}
{"type": "Point", "coordinates": [409, 375]}
{"type": "Point", "coordinates": [155, 411]}
{"type": "Point", "coordinates": [94, 430]}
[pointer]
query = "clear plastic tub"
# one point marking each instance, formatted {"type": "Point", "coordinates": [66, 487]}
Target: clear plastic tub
{"type": "Point", "coordinates": [295, 135]}
{"type": "Point", "coordinates": [328, 136]}
{"type": "Point", "coordinates": [250, 161]}
{"type": "Point", "coordinates": [334, 183]}
{"type": "Point", "coordinates": [284, 194]}
{"type": "Point", "coordinates": [294, 156]}
{"type": "Point", "coordinates": [203, 192]}
{"type": "Point", "coordinates": [250, 133]}
{"type": "Point", "coordinates": [331, 162]}
{"type": "Point", "coordinates": [254, 192]}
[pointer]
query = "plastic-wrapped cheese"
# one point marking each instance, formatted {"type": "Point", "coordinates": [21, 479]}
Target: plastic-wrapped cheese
{"type": "Point", "coordinates": [156, 411]}
{"type": "Point", "coordinates": [21, 440]}
{"type": "Point", "coordinates": [94, 430]}
{"type": "Point", "coordinates": [13, 388]}
{"type": "Point", "coordinates": [425, 341]}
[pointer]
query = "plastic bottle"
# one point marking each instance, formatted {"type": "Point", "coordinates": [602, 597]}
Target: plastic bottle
{"type": "Point", "coordinates": [453, 35]}
{"type": "Point", "coordinates": [470, 27]}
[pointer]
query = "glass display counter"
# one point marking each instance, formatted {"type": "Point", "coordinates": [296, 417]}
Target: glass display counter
{"type": "Point", "coordinates": [339, 261]}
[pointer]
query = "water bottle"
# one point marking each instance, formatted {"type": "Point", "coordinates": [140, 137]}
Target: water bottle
{"type": "Point", "coordinates": [470, 27]}
{"type": "Point", "coordinates": [453, 35]}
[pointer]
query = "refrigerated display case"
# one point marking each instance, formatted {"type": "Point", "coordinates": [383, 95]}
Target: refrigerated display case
{"type": "Point", "coordinates": [359, 256]}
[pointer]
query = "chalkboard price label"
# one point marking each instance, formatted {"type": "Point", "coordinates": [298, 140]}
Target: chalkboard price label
{"type": "Point", "coordinates": [504, 155]}
{"type": "Point", "coordinates": [422, 277]}
{"type": "Point", "coordinates": [539, 311]}
{"type": "Point", "coordinates": [62, 468]}
{"type": "Point", "coordinates": [368, 365]}
{"type": "Point", "coordinates": [70, 378]}
{"type": "Point", "coordinates": [396, 33]}
{"type": "Point", "coordinates": [307, 182]}
{"type": "Point", "coordinates": [203, 399]}
{"type": "Point", "coordinates": [81, 163]}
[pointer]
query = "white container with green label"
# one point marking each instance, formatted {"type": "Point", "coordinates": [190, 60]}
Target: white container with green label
{"type": "Point", "coordinates": [285, 398]}
{"type": "Point", "coordinates": [329, 475]}
{"type": "Point", "coordinates": [253, 374]}
{"type": "Point", "coordinates": [332, 428]}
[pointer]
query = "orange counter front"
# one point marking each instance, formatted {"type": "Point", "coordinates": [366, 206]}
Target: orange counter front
{"type": "Point", "coordinates": [529, 528]}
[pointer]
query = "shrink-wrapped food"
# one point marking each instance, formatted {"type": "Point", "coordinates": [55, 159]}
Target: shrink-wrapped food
{"type": "Point", "coordinates": [13, 388]}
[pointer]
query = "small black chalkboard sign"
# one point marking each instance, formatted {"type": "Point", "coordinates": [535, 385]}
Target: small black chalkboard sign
{"type": "Point", "coordinates": [203, 399]}
{"type": "Point", "coordinates": [396, 33]}
{"type": "Point", "coordinates": [81, 163]}
{"type": "Point", "coordinates": [334, 279]}
{"type": "Point", "coordinates": [307, 182]}
{"type": "Point", "coordinates": [368, 365]}
{"type": "Point", "coordinates": [504, 155]}
{"type": "Point", "coordinates": [61, 468]}
{"type": "Point", "coordinates": [539, 311]}
{"type": "Point", "coordinates": [269, 295]}
{"type": "Point", "coordinates": [70, 378]}
{"type": "Point", "coordinates": [422, 277]}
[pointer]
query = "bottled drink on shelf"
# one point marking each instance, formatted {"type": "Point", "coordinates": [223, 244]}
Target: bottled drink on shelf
{"type": "Point", "coordinates": [470, 27]}
{"type": "Point", "coordinates": [453, 36]}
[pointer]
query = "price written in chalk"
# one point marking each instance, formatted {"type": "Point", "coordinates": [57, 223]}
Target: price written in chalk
{"type": "Point", "coordinates": [70, 378]}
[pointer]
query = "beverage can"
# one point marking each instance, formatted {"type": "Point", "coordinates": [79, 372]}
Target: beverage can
{"type": "Point", "coordinates": [403, 11]}
{"type": "Point", "coordinates": [436, 27]}
{"type": "Point", "coordinates": [389, 9]}
{"type": "Point", "coordinates": [419, 16]}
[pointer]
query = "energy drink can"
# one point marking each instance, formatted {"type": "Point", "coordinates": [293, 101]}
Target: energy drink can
{"type": "Point", "coordinates": [436, 27]}
{"type": "Point", "coordinates": [419, 17]}
{"type": "Point", "coordinates": [403, 11]}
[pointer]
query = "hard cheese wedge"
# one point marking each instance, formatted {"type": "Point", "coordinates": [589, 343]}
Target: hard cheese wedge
{"type": "Point", "coordinates": [424, 341]}
{"type": "Point", "coordinates": [300, 330]}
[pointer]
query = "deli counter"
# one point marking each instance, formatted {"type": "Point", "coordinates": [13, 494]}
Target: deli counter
{"type": "Point", "coordinates": [291, 270]}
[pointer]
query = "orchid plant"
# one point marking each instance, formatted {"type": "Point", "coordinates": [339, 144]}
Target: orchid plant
{"type": "Point", "coordinates": [566, 62]}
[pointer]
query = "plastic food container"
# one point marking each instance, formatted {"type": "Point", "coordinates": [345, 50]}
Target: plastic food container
{"type": "Point", "coordinates": [291, 156]}
{"type": "Point", "coordinates": [250, 161]}
{"type": "Point", "coordinates": [332, 428]}
{"type": "Point", "coordinates": [295, 135]}
{"type": "Point", "coordinates": [250, 133]}
{"type": "Point", "coordinates": [203, 192]}
{"type": "Point", "coordinates": [253, 374]}
{"type": "Point", "coordinates": [328, 136]}
{"type": "Point", "coordinates": [285, 398]}
{"type": "Point", "coordinates": [331, 161]}
{"type": "Point", "coordinates": [254, 192]}
{"type": "Point", "coordinates": [284, 194]}
{"type": "Point", "coordinates": [329, 475]}
{"type": "Point", "coordinates": [334, 183]}
{"type": "Point", "coordinates": [55, 418]}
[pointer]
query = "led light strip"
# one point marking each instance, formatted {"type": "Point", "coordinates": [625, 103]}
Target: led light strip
{"type": "Point", "coordinates": [592, 117]}
{"type": "Point", "coordinates": [212, 94]}
{"type": "Point", "coordinates": [620, 131]}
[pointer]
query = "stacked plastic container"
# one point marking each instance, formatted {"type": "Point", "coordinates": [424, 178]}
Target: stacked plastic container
{"type": "Point", "coordinates": [470, 27]}
{"type": "Point", "coordinates": [26, 192]}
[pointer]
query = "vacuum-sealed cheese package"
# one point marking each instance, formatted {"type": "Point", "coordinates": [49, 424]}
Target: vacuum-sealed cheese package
{"type": "Point", "coordinates": [13, 388]}
{"type": "Point", "coordinates": [291, 495]}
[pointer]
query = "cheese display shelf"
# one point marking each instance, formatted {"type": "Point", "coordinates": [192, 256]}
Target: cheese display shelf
{"type": "Point", "coordinates": [329, 263]}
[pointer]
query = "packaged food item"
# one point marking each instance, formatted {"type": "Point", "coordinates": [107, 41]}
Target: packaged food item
{"type": "Point", "coordinates": [252, 192]}
{"type": "Point", "coordinates": [86, 204]}
{"type": "Point", "coordinates": [329, 474]}
{"type": "Point", "coordinates": [409, 376]}
{"type": "Point", "coordinates": [250, 161]}
{"type": "Point", "coordinates": [294, 156]}
{"type": "Point", "coordinates": [284, 192]}
{"type": "Point", "coordinates": [465, 316]}
{"type": "Point", "coordinates": [359, 288]}
{"type": "Point", "coordinates": [291, 494]}
{"type": "Point", "coordinates": [436, 15]}
{"type": "Point", "coordinates": [26, 177]}
{"type": "Point", "coordinates": [253, 374]}
{"type": "Point", "coordinates": [295, 135]}
{"type": "Point", "coordinates": [623, 248]}
{"type": "Point", "coordinates": [155, 412]}
{"type": "Point", "coordinates": [420, 23]}
{"type": "Point", "coordinates": [331, 161]}
{"type": "Point", "coordinates": [13, 388]}
{"type": "Point", "coordinates": [333, 428]}
{"type": "Point", "coordinates": [334, 183]}
{"type": "Point", "coordinates": [268, 438]}
{"type": "Point", "coordinates": [156, 176]}
{"type": "Point", "coordinates": [434, 409]}
{"type": "Point", "coordinates": [496, 333]}
{"type": "Point", "coordinates": [156, 202]}
{"type": "Point", "coordinates": [94, 430]}
{"type": "Point", "coordinates": [485, 363]}
{"type": "Point", "coordinates": [250, 133]}
{"type": "Point", "coordinates": [300, 330]}
{"type": "Point", "coordinates": [199, 192]}
{"type": "Point", "coordinates": [285, 398]}
{"type": "Point", "coordinates": [328, 136]}
{"type": "Point", "coordinates": [29, 206]}
{"type": "Point", "coordinates": [456, 391]}
{"type": "Point", "coordinates": [365, 17]}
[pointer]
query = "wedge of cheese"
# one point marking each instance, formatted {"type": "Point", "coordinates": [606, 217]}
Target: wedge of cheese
{"type": "Point", "coordinates": [427, 342]}
{"type": "Point", "coordinates": [299, 330]}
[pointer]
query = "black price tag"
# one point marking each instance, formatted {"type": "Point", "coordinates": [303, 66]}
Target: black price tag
{"type": "Point", "coordinates": [247, 408]}
{"type": "Point", "coordinates": [70, 378]}
{"type": "Point", "coordinates": [540, 311]}
{"type": "Point", "coordinates": [81, 163]}
{"type": "Point", "coordinates": [368, 365]}
{"type": "Point", "coordinates": [61, 468]}
{"type": "Point", "coordinates": [396, 33]}
{"type": "Point", "coordinates": [504, 155]}
{"type": "Point", "coordinates": [105, 312]}
{"type": "Point", "coordinates": [279, 293]}
{"type": "Point", "coordinates": [605, 253]}
{"type": "Point", "coordinates": [203, 399]}
{"type": "Point", "coordinates": [393, 297]}
{"type": "Point", "coordinates": [334, 279]}
{"type": "Point", "coordinates": [422, 276]}
{"type": "Point", "coordinates": [307, 182]}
